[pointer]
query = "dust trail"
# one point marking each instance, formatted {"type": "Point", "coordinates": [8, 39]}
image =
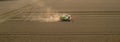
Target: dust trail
{"type": "Point", "coordinates": [48, 15]}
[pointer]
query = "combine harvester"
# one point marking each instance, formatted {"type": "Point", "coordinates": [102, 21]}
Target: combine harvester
{"type": "Point", "coordinates": [65, 18]}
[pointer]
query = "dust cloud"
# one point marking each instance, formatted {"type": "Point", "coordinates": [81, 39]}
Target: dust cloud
{"type": "Point", "coordinates": [49, 14]}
